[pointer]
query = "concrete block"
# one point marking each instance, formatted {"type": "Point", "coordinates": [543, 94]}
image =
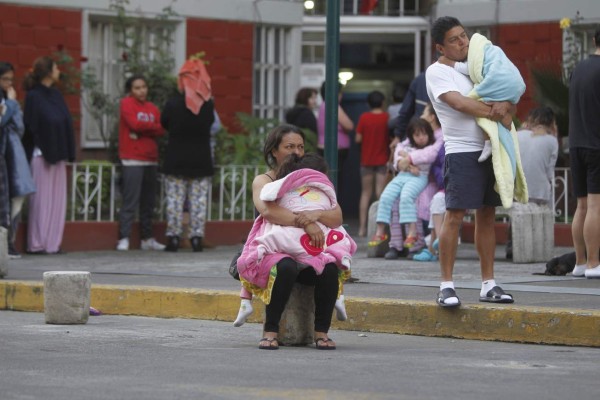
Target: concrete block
{"type": "Point", "coordinates": [380, 250]}
{"type": "Point", "coordinates": [297, 324]}
{"type": "Point", "coordinates": [3, 252]}
{"type": "Point", "coordinates": [532, 228]}
{"type": "Point", "coordinates": [67, 297]}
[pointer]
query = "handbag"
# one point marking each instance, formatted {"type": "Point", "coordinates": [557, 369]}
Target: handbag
{"type": "Point", "coordinates": [233, 271]}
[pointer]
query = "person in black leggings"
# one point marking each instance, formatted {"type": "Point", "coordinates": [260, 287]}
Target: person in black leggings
{"type": "Point", "coordinates": [326, 289]}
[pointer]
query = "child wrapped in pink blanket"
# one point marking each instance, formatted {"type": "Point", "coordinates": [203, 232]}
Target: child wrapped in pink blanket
{"type": "Point", "coordinates": [267, 243]}
{"type": "Point", "coordinates": [301, 190]}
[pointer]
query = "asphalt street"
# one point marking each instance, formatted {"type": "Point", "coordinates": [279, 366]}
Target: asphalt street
{"type": "Point", "coordinates": [116, 357]}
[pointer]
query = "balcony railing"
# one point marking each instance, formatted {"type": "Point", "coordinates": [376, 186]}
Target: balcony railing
{"type": "Point", "coordinates": [94, 193]}
{"type": "Point", "coordinates": [392, 8]}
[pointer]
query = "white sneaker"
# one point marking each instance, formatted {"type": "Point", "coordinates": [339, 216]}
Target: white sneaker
{"type": "Point", "coordinates": [579, 271]}
{"type": "Point", "coordinates": [151, 244]}
{"type": "Point", "coordinates": [123, 244]}
{"type": "Point", "coordinates": [593, 272]}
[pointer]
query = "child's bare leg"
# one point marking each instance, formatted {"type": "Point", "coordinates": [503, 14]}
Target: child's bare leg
{"type": "Point", "coordinates": [365, 199]}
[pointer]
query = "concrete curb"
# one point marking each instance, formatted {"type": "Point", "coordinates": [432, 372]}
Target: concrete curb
{"type": "Point", "coordinates": [541, 325]}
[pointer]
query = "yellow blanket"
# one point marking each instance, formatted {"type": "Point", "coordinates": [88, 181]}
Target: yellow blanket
{"type": "Point", "coordinates": [510, 179]}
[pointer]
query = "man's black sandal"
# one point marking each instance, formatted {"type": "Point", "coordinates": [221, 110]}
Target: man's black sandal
{"type": "Point", "coordinates": [495, 296]}
{"type": "Point", "coordinates": [444, 295]}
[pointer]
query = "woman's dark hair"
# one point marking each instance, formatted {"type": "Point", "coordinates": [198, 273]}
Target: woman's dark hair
{"type": "Point", "coordinates": [42, 67]}
{"type": "Point", "coordinates": [304, 95]}
{"type": "Point", "coordinates": [375, 99]}
{"type": "Point", "coordinates": [5, 67]}
{"type": "Point", "coordinates": [339, 85]}
{"type": "Point", "coordinates": [541, 116]}
{"type": "Point", "coordinates": [294, 162]}
{"type": "Point", "coordinates": [415, 125]}
{"type": "Point", "coordinates": [441, 26]}
{"type": "Point", "coordinates": [274, 140]}
{"type": "Point", "coordinates": [131, 79]}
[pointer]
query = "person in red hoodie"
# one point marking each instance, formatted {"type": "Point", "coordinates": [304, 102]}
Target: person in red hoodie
{"type": "Point", "coordinates": [139, 126]}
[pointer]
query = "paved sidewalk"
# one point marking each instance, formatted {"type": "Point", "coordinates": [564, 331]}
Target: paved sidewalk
{"type": "Point", "coordinates": [389, 296]}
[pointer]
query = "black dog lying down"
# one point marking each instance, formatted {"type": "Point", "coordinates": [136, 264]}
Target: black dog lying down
{"type": "Point", "coordinates": [560, 265]}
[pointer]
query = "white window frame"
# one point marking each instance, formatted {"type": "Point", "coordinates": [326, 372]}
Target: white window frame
{"type": "Point", "coordinates": [274, 58]}
{"type": "Point", "coordinates": [90, 137]}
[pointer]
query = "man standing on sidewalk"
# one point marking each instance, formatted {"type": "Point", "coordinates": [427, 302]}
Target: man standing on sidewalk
{"type": "Point", "coordinates": [469, 183]}
{"type": "Point", "coordinates": [584, 148]}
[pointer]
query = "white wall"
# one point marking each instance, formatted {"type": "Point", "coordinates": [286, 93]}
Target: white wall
{"type": "Point", "coordinates": [280, 12]}
{"type": "Point", "coordinates": [485, 12]}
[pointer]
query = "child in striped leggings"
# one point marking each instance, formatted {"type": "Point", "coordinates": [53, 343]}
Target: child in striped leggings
{"type": "Point", "coordinates": [407, 185]}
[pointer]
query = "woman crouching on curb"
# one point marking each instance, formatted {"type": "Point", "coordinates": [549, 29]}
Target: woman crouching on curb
{"type": "Point", "coordinates": [281, 142]}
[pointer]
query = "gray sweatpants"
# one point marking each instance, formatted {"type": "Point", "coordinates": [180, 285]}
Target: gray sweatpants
{"type": "Point", "coordinates": [138, 190]}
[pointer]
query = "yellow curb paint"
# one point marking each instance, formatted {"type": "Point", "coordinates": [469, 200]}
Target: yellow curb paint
{"type": "Point", "coordinates": [481, 322]}
{"type": "Point", "coordinates": [22, 296]}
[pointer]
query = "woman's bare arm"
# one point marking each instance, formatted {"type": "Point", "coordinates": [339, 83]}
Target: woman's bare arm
{"type": "Point", "coordinates": [330, 218]}
{"type": "Point", "coordinates": [270, 210]}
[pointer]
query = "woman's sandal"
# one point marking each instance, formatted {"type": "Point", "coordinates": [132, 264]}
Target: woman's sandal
{"type": "Point", "coordinates": [270, 345]}
{"type": "Point", "coordinates": [425, 255]}
{"type": "Point", "coordinates": [410, 241]}
{"type": "Point", "coordinates": [324, 341]}
{"type": "Point", "coordinates": [377, 240]}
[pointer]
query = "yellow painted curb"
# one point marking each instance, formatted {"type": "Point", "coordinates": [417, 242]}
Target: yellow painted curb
{"type": "Point", "coordinates": [481, 322]}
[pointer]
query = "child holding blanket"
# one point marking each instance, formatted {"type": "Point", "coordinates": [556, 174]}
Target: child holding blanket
{"type": "Point", "coordinates": [301, 185]}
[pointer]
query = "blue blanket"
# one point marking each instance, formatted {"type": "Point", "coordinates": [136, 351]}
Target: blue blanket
{"type": "Point", "coordinates": [496, 78]}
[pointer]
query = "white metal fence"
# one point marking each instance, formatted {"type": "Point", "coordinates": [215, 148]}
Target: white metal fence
{"type": "Point", "coordinates": [94, 193]}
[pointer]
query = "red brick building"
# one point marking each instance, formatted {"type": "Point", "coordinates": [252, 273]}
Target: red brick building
{"type": "Point", "coordinates": [228, 32]}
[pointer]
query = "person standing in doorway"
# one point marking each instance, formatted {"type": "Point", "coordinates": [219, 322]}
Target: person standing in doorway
{"type": "Point", "coordinates": [372, 135]}
{"type": "Point", "coordinates": [584, 150]}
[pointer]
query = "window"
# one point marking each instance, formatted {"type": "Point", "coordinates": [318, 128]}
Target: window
{"type": "Point", "coordinates": [272, 66]}
{"type": "Point", "coordinates": [105, 57]}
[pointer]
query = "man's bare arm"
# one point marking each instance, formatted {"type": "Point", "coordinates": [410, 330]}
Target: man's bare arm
{"type": "Point", "coordinates": [495, 111]}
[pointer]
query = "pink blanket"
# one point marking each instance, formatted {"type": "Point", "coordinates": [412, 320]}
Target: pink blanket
{"type": "Point", "coordinates": [267, 244]}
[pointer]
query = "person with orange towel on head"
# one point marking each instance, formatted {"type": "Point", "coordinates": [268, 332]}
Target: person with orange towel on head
{"type": "Point", "coordinates": [188, 117]}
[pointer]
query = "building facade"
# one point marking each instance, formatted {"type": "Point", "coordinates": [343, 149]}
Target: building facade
{"type": "Point", "coordinates": [253, 47]}
{"type": "Point", "coordinates": [529, 32]}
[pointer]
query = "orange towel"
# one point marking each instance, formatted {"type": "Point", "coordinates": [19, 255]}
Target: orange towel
{"type": "Point", "coordinates": [195, 82]}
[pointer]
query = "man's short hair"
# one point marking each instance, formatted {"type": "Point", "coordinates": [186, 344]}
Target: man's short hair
{"type": "Point", "coordinates": [441, 26]}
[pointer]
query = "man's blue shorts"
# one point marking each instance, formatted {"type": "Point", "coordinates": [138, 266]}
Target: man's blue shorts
{"type": "Point", "coordinates": [469, 183]}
